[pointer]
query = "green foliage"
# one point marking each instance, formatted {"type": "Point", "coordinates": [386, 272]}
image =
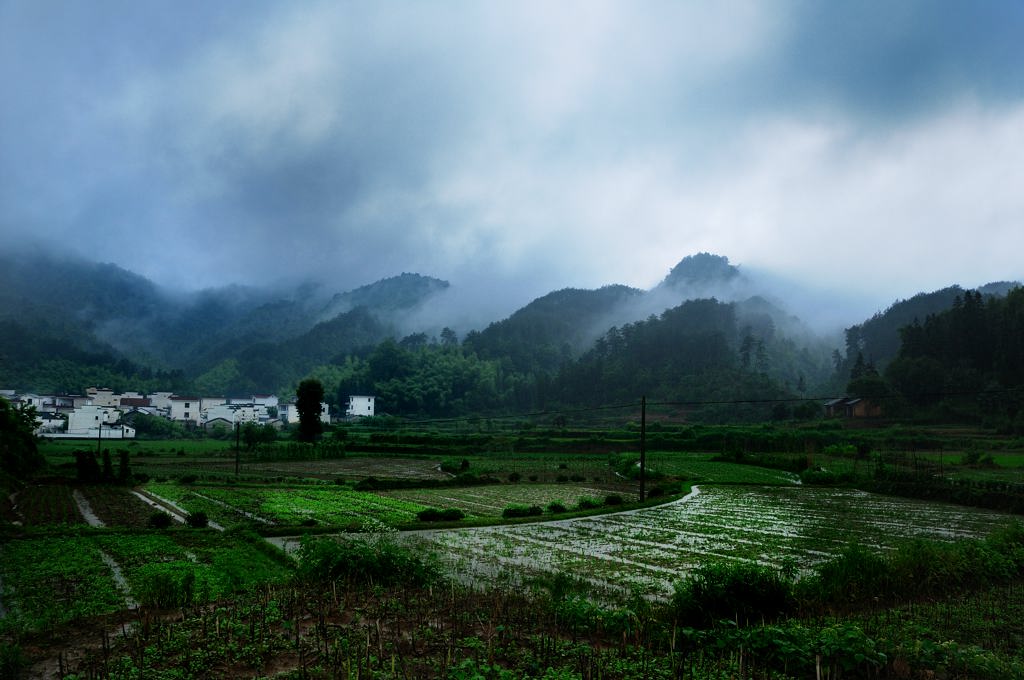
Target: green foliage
{"type": "Point", "coordinates": [514, 511]}
{"type": "Point", "coordinates": [436, 515]}
{"type": "Point", "coordinates": [13, 661]}
{"type": "Point", "coordinates": [379, 561]}
{"type": "Point", "coordinates": [19, 455]}
{"type": "Point", "coordinates": [197, 520]}
{"type": "Point", "coordinates": [160, 520]}
{"type": "Point", "coordinates": [740, 591]}
{"type": "Point", "coordinates": [157, 427]}
{"type": "Point", "coordinates": [168, 586]}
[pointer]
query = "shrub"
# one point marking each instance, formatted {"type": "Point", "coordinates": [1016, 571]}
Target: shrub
{"type": "Point", "coordinates": [514, 477]}
{"type": "Point", "coordinates": [187, 479]}
{"type": "Point", "coordinates": [562, 479]}
{"type": "Point", "coordinates": [732, 590]}
{"type": "Point", "coordinates": [856, 574]}
{"type": "Point", "coordinates": [436, 515]}
{"type": "Point", "coordinates": [378, 561]}
{"type": "Point", "coordinates": [160, 520]}
{"type": "Point", "coordinates": [587, 504]}
{"type": "Point", "coordinates": [521, 511]}
{"type": "Point", "coordinates": [577, 478]}
{"type": "Point", "coordinates": [613, 499]}
{"type": "Point", "coordinates": [556, 507]}
{"type": "Point", "coordinates": [198, 520]}
{"type": "Point", "coordinates": [532, 478]}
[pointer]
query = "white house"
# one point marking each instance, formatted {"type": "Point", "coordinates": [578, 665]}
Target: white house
{"type": "Point", "coordinates": [185, 408]}
{"type": "Point", "coordinates": [232, 413]}
{"type": "Point", "coordinates": [85, 421]}
{"type": "Point", "coordinates": [265, 400]}
{"type": "Point", "coordinates": [49, 422]}
{"type": "Point", "coordinates": [102, 396]}
{"type": "Point", "coordinates": [161, 400]}
{"type": "Point", "coordinates": [359, 406]}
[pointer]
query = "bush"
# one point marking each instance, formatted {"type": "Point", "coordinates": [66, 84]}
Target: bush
{"type": "Point", "coordinates": [160, 520]}
{"type": "Point", "coordinates": [187, 479]}
{"type": "Point", "coordinates": [379, 561]}
{"type": "Point", "coordinates": [613, 499]}
{"type": "Point", "coordinates": [556, 508]}
{"type": "Point", "coordinates": [197, 520]}
{"type": "Point", "coordinates": [436, 515]}
{"type": "Point", "coordinates": [587, 504]}
{"type": "Point", "coordinates": [521, 511]}
{"type": "Point", "coordinates": [732, 590]}
{"type": "Point", "coordinates": [514, 477]}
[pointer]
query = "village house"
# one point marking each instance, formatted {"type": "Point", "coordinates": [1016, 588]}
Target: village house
{"type": "Point", "coordinates": [852, 407]}
{"type": "Point", "coordinates": [185, 409]}
{"type": "Point", "coordinates": [359, 406]}
{"type": "Point", "coordinates": [231, 414]}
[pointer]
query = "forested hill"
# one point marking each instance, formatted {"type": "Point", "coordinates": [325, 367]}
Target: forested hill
{"type": "Point", "coordinates": [976, 345]}
{"type": "Point", "coordinates": [702, 334]}
{"type": "Point", "coordinates": [552, 329]}
{"type": "Point", "coordinates": [877, 340]}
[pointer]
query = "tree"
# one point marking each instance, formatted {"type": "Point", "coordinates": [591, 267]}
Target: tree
{"type": "Point", "coordinates": [308, 397]}
{"type": "Point", "coordinates": [18, 452]}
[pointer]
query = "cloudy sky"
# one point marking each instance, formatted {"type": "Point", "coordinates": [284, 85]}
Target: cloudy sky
{"type": "Point", "coordinates": [877, 146]}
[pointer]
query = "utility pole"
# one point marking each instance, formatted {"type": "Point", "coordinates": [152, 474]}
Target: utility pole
{"type": "Point", "coordinates": [643, 447]}
{"type": "Point", "coordinates": [238, 436]}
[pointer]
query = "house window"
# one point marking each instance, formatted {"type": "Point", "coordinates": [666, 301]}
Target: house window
{"type": "Point", "coordinates": [186, 415]}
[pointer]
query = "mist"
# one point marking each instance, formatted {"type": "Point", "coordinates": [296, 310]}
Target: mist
{"type": "Point", "coordinates": [518, 148]}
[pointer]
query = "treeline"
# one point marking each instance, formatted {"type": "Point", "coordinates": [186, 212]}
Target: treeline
{"type": "Point", "coordinates": [963, 364]}
{"type": "Point", "coordinates": [696, 352]}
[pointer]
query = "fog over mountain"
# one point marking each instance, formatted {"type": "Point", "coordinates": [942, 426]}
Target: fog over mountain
{"type": "Point", "coordinates": [513, 149]}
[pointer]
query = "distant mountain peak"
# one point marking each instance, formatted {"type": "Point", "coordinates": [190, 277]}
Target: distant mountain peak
{"type": "Point", "coordinates": [702, 269]}
{"type": "Point", "coordinates": [395, 293]}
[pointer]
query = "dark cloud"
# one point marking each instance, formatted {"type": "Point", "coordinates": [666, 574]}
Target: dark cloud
{"type": "Point", "coordinates": [527, 145]}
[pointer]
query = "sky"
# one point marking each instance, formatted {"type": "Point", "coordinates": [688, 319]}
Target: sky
{"type": "Point", "coordinates": [871, 148]}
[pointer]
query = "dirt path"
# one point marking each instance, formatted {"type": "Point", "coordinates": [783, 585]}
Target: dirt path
{"type": "Point", "coordinates": [170, 507]}
{"type": "Point", "coordinates": [119, 580]}
{"type": "Point", "coordinates": [86, 510]}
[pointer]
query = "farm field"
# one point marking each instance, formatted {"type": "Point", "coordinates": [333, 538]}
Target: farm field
{"type": "Point", "coordinates": [489, 501]}
{"type": "Point", "coordinates": [293, 506]}
{"type": "Point", "coordinates": [48, 580]}
{"type": "Point", "coordinates": [617, 570]}
{"type": "Point", "coordinates": [650, 549]}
